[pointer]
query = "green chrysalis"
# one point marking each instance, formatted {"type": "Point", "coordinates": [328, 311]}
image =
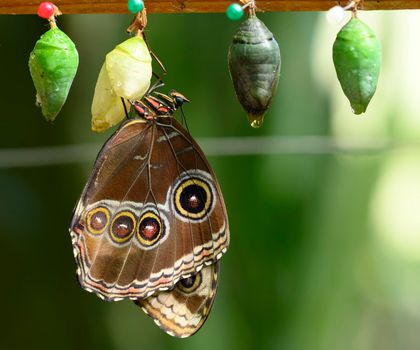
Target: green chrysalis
{"type": "Point", "coordinates": [357, 61]}
{"type": "Point", "coordinates": [53, 64]}
{"type": "Point", "coordinates": [254, 66]}
{"type": "Point", "coordinates": [126, 74]}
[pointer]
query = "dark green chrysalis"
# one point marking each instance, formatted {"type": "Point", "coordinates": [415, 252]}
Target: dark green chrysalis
{"type": "Point", "coordinates": [254, 66]}
{"type": "Point", "coordinates": [357, 61]}
{"type": "Point", "coordinates": [53, 64]}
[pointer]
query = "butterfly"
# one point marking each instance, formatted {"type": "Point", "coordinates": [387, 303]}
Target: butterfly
{"type": "Point", "coordinates": [151, 224]}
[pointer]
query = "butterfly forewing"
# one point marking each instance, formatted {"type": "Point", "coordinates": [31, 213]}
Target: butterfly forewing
{"type": "Point", "coordinates": [151, 213]}
{"type": "Point", "coordinates": [181, 311]}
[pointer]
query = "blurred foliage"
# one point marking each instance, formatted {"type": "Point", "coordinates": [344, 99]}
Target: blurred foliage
{"type": "Point", "coordinates": [325, 249]}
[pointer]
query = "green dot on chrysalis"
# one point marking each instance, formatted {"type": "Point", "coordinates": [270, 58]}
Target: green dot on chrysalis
{"type": "Point", "coordinates": [234, 12]}
{"type": "Point", "coordinates": [135, 6]}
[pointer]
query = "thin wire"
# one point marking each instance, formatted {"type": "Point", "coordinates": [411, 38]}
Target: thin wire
{"type": "Point", "coordinates": [223, 146]}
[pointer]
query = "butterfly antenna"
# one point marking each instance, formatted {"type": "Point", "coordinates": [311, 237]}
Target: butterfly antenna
{"type": "Point", "coordinates": [158, 61]}
{"type": "Point", "coordinates": [125, 108]}
{"type": "Point", "coordinates": [138, 25]}
{"type": "Point", "coordinates": [184, 119]}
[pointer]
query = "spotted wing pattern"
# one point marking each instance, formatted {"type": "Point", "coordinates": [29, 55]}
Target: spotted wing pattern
{"type": "Point", "coordinates": [151, 214]}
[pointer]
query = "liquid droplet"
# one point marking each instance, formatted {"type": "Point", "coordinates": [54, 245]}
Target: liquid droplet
{"type": "Point", "coordinates": [256, 120]}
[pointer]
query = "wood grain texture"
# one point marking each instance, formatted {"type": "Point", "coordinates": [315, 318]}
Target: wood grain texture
{"type": "Point", "coordinates": [194, 6]}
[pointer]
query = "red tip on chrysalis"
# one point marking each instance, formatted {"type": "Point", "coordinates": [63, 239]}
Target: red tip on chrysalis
{"type": "Point", "coordinates": [46, 9]}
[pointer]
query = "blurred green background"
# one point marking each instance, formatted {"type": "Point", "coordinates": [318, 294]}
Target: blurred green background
{"type": "Point", "coordinates": [325, 222]}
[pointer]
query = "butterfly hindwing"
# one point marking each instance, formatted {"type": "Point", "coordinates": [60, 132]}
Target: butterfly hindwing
{"type": "Point", "coordinates": [152, 212]}
{"type": "Point", "coordinates": [181, 311]}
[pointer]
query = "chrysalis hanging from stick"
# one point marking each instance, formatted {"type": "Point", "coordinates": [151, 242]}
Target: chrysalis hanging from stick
{"type": "Point", "coordinates": [254, 63]}
{"type": "Point", "coordinates": [53, 64]}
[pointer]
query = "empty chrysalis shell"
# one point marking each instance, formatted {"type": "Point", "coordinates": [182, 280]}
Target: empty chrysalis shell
{"type": "Point", "coordinates": [357, 61]}
{"type": "Point", "coordinates": [126, 74]}
{"type": "Point", "coordinates": [254, 66]}
{"type": "Point", "coordinates": [53, 64]}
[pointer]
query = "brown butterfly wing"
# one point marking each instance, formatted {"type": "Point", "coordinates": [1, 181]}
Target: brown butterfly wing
{"type": "Point", "coordinates": [151, 213]}
{"type": "Point", "coordinates": [182, 311]}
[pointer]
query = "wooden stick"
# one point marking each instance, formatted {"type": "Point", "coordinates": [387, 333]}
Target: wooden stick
{"type": "Point", "coordinates": [194, 6]}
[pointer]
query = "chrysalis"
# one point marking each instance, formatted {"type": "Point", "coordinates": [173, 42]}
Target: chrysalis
{"type": "Point", "coordinates": [254, 66]}
{"type": "Point", "coordinates": [357, 61]}
{"type": "Point", "coordinates": [126, 74]}
{"type": "Point", "coordinates": [53, 64]}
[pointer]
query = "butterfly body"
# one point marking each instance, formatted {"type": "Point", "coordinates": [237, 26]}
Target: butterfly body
{"type": "Point", "coordinates": [158, 104]}
{"type": "Point", "coordinates": [151, 224]}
